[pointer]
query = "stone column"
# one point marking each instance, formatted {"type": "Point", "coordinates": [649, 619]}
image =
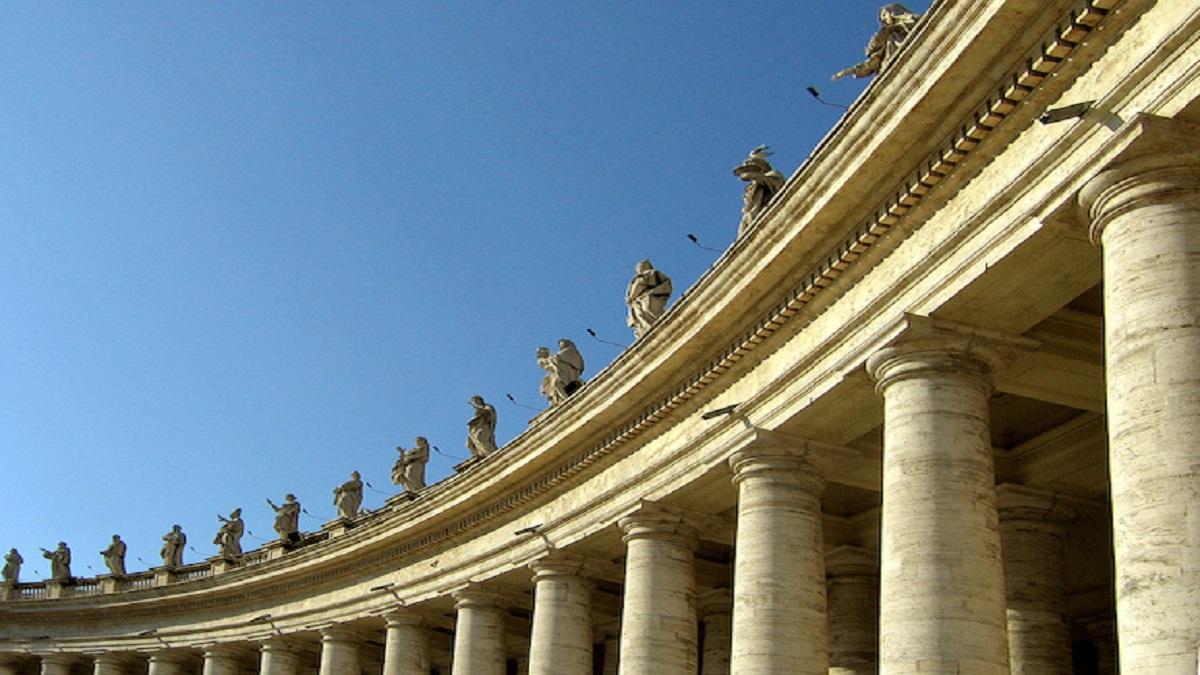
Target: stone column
{"type": "Point", "coordinates": [406, 651]}
{"type": "Point", "coordinates": [1032, 528]}
{"type": "Point", "coordinates": [57, 664]}
{"type": "Point", "coordinates": [942, 606]}
{"type": "Point", "coordinates": [852, 578]}
{"type": "Point", "coordinates": [658, 616]}
{"type": "Point", "coordinates": [339, 651]}
{"type": "Point", "coordinates": [478, 633]}
{"type": "Point", "coordinates": [10, 664]}
{"type": "Point", "coordinates": [278, 657]}
{"type": "Point", "coordinates": [612, 655]}
{"type": "Point", "coordinates": [1103, 634]}
{"type": "Point", "coordinates": [167, 662]}
{"type": "Point", "coordinates": [1145, 213]}
{"type": "Point", "coordinates": [561, 637]}
{"type": "Point", "coordinates": [606, 633]}
{"type": "Point", "coordinates": [715, 609]}
{"type": "Point", "coordinates": [112, 664]}
{"type": "Point", "coordinates": [221, 660]}
{"type": "Point", "coordinates": [779, 617]}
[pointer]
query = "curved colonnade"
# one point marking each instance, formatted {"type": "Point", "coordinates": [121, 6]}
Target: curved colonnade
{"type": "Point", "coordinates": [925, 360]}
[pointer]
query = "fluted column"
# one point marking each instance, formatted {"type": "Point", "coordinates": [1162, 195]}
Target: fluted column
{"type": "Point", "coordinates": [277, 656]}
{"type": "Point", "coordinates": [715, 609]}
{"type": "Point", "coordinates": [112, 664]}
{"type": "Point", "coordinates": [852, 577]}
{"type": "Point", "coordinates": [942, 606]}
{"type": "Point", "coordinates": [57, 664]}
{"type": "Point", "coordinates": [167, 662]}
{"type": "Point", "coordinates": [658, 616]}
{"type": "Point", "coordinates": [221, 660]}
{"type": "Point", "coordinates": [339, 651]}
{"type": "Point", "coordinates": [779, 613]}
{"type": "Point", "coordinates": [406, 651]}
{"type": "Point", "coordinates": [1145, 213]}
{"type": "Point", "coordinates": [561, 636]}
{"type": "Point", "coordinates": [1032, 528]}
{"type": "Point", "coordinates": [478, 633]}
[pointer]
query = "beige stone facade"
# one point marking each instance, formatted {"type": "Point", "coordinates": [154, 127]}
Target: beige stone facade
{"type": "Point", "coordinates": [960, 353]}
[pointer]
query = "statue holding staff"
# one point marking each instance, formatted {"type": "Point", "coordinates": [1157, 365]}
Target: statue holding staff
{"type": "Point", "coordinates": [60, 562]}
{"type": "Point", "coordinates": [287, 519]}
{"type": "Point", "coordinates": [229, 536]}
{"type": "Point", "coordinates": [114, 556]}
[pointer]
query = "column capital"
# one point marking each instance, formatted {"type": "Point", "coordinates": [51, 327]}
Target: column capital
{"type": "Point", "coordinates": [475, 596]}
{"type": "Point", "coordinates": [1030, 505]}
{"type": "Point", "coordinates": [178, 656]}
{"type": "Point", "coordinates": [655, 521]}
{"type": "Point", "coordinates": [775, 454]}
{"type": "Point", "coordinates": [560, 564]}
{"type": "Point", "coordinates": [403, 616]}
{"type": "Point", "coordinates": [280, 645]}
{"type": "Point", "coordinates": [851, 561]}
{"type": "Point", "coordinates": [922, 345]}
{"type": "Point", "coordinates": [224, 650]}
{"type": "Point", "coordinates": [339, 632]}
{"type": "Point", "coordinates": [716, 601]}
{"type": "Point", "coordinates": [1151, 159]}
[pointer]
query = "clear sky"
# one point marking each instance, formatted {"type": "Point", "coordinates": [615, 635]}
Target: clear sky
{"type": "Point", "coordinates": [246, 248]}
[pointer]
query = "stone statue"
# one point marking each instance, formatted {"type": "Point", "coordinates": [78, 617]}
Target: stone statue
{"type": "Point", "coordinates": [563, 371]}
{"type": "Point", "coordinates": [762, 183]}
{"type": "Point", "coordinates": [287, 519]}
{"type": "Point", "coordinates": [409, 469]}
{"type": "Point", "coordinates": [481, 430]}
{"type": "Point", "coordinates": [172, 548]}
{"type": "Point", "coordinates": [229, 536]}
{"type": "Point", "coordinates": [348, 497]}
{"type": "Point", "coordinates": [646, 297]}
{"type": "Point", "coordinates": [896, 22]}
{"type": "Point", "coordinates": [60, 562]}
{"type": "Point", "coordinates": [114, 556]}
{"type": "Point", "coordinates": [12, 566]}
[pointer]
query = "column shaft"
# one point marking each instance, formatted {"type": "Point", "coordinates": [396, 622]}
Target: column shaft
{"type": "Point", "coordinates": [406, 651]}
{"type": "Point", "coordinates": [339, 651]}
{"type": "Point", "coordinates": [111, 664]}
{"type": "Point", "coordinates": [1031, 535]}
{"type": "Point", "coordinates": [220, 660]}
{"type": "Point", "coordinates": [1146, 214]}
{"type": "Point", "coordinates": [166, 663]}
{"type": "Point", "coordinates": [779, 612]}
{"type": "Point", "coordinates": [853, 590]}
{"type": "Point", "coordinates": [658, 618]}
{"type": "Point", "coordinates": [277, 657]}
{"type": "Point", "coordinates": [478, 634]}
{"type": "Point", "coordinates": [561, 636]}
{"type": "Point", "coordinates": [716, 616]}
{"type": "Point", "coordinates": [942, 607]}
{"type": "Point", "coordinates": [56, 664]}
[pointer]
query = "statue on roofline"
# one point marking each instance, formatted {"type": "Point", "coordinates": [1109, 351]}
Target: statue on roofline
{"type": "Point", "coordinates": [646, 297]}
{"type": "Point", "coordinates": [229, 536]}
{"type": "Point", "coordinates": [348, 496]}
{"type": "Point", "coordinates": [481, 430]}
{"type": "Point", "coordinates": [564, 371]}
{"type": "Point", "coordinates": [60, 562]}
{"type": "Point", "coordinates": [12, 566]}
{"type": "Point", "coordinates": [409, 469]}
{"type": "Point", "coordinates": [287, 519]}
{"type": "Point", "coordinates": [896, 23]}
{"type": "Point", "coordinates": [114, 556]}
{"type": "Point", "coordinates": [762, 184]}
{"type": "Point", "coordinates": [172, 548]}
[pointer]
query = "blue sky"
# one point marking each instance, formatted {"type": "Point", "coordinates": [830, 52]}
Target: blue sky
{"type": "Point", "coordinates": [246, 248]}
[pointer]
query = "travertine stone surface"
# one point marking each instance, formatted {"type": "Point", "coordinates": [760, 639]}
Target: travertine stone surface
{"type": "Point", "coordinates": [1146, 214]}
{"type": "Point", "coordinates": [1032, 528]}
{"type": "Point", "coordinates": [852, 578]}
{"type": "Point", "coordinates": [478, 633]}
{"type": "Point", "coordinates": [612, 655]}
{"type": "Point", "coordinates": [406, 650]}
{"type": "Point", "coordinates": [658, 617]}
{"type": "Point", "coordinates": [339, 651]}
{"type": "Point", "coordinates": [561, 637]}
{"type": "Point", "coordinates": [118, 664]}
{"type": "Point", "coordinates": [221, 660]}
{"type": "Point", "coordinates": [779, 613]}
{"type": "Point", "coordinates": [60, 664]}
{"type": "Point", "coordinates": [168, 662]}
{"type": "Point", "coordinates": [278, 657]}
{"type": "Point", "coordinates": [942, 607]}
{"type": "Point", "coordinates": [715, 609]}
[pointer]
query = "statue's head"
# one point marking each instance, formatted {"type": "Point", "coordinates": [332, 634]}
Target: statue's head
{"type": "Point", "coordinates": [644, 266]}
{"type": "Point", "coordinates": [422, 442]}
{"type": "Point", "coordinates": [116, 537]}
{"type": "Point", "coordinates": [62, 544]}
{"type": "Point", "coordinates": [756, 164]}
{"type": "Point", "coordinates": [236, 513]}
{"type": "Point", "coordinates": [476, 400]}
{"type": "Point", "coordinates": [354, 475]}
{"type": "Point", "coordinates": [289, 497]}
{"type": "Point", "coordinates": [564, 343]}
{"type": "Point", "coordinates": [890, 12]}
{"type": "Point", "coordinates": [543, 352]}
{"type": "Point", "coordinates": [176, 528]}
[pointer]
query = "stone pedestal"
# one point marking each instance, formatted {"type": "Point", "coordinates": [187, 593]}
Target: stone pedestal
{"type": "Point", "coordinates": [339, 651]}
{"type": "Point", "coordinates": [169, 662]}
{"type": "Point", "coordinates": [162, 576]}
{"type": "Point", "coordinates": [277, 656]}
{"type": "Point", "coordinates": [58, 664]}
{"type": "Point", "coordinates": [406, 650]}
{"type": "Point", "coordinates": [56, 589]}
{"type": "Point", "coordinates": [109, 583]}
{"type": "Point", "coordinates": [1145, 212]}
{"type": "Point", "coordinates": [8, 591]}
{"type": "Point", "coordinates": [852, 578]}
{"type": "Point", "coordinates": [715, 609]}
{"type": "Point", "coordinates": [561, 636]}
{"type": "Point", "coordinates": [1032, 528]}
{"type": "Point", "coordinates": [478, 633]}
{"type": "Point", "coordinates": [942, 605]}
{"type": "Point", "coordinates": [222, 660]}
{"type": "Point", "coordinates": [779, 613]}
{"type": "Point", "coordinates": [658, 619]}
